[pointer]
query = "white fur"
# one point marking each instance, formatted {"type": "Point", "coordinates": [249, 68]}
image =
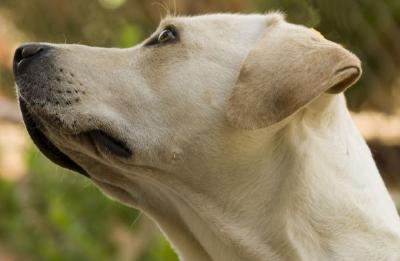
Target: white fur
{"type": "Point", "coordinates": [306, 188]}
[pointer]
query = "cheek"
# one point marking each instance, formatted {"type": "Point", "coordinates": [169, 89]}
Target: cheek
{"type": "Point", "coordinates": [182, 100]}
{"type": "Point", "coordinates": [156, 63]}
{"type": "Point", "coordinates": [201, 82]}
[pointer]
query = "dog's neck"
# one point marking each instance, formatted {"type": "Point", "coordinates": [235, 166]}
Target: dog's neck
{"type": "Point", "coordinates": [309, 191]}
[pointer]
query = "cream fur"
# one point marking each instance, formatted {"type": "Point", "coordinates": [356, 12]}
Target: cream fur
{"type": "Point", "coordinates": [302, 185]}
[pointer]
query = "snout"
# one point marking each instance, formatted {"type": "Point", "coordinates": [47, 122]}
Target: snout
{"type": "Point", "coordinates": [54, 88]}
{"type": "Point", "coordinates": [34, 71]}
{"type": "Point", "coordinates": [43, 81]}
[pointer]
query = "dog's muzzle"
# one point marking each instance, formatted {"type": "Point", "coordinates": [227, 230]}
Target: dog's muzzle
{"type": "Point", "coordinates": [28, 58]}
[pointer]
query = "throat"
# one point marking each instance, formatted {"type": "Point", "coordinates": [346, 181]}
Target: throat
{"type": "Point", "coordinates": [310, 195]}
{"type": "Point", "coordinates": [296, 213]}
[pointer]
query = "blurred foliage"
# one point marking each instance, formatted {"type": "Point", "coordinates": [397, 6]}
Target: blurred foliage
{"type": "Point", "coordinates": [52, 215]}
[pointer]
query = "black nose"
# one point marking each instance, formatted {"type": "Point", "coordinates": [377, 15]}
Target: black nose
{"type": "Point", "coordinates": [25, 54]}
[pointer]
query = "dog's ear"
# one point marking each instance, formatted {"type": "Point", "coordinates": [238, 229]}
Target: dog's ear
{"type": "Point", "coordinates": [289, 67]}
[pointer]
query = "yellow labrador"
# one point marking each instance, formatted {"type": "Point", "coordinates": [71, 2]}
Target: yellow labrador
{"type": "Point", "coordinates": [230, 131]}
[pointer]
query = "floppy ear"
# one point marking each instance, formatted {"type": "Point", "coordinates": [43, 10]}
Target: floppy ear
{"type": "Point", "coordinates": [290, 66]}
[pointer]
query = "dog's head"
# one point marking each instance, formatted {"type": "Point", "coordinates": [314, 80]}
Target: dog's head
{"type": "Point", "coordinates": [183, 100]}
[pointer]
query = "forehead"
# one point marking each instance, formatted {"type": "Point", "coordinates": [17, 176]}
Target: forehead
{"type": "Point", "coordinates": [230, 31]}
{"type": "Point", "coordinates": [216, 19]}
{"type": "Point", "coordinates": [216, 23]}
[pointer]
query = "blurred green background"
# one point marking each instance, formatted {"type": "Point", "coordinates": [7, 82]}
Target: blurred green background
{"type": "Point", "coordinates": [49, 214]}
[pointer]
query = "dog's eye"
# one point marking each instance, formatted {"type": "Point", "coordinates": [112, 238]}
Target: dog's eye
{"type": "Point", "coordinates": [167, 35]}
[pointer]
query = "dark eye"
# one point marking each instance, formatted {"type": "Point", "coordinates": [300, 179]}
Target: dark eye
{"type": "Point", "coordinates": [167, 35]}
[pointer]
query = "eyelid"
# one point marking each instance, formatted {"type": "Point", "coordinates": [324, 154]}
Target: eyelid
{"type": "Point", "coordinates": [170, 27]}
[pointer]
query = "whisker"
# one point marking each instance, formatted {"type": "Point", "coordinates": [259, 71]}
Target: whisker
{"type": "Point", "coordinates": [163, 7]}
{"type": "Point", "coordinates": [136, 219]}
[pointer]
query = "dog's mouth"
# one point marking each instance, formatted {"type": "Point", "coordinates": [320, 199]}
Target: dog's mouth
{"type": "Point", "coordinates": [101, 141]}
{"type": "Point", "coordinates": [44, 144]}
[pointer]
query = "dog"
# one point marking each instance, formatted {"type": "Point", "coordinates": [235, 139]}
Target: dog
{"type": "Point", "coordinates": [230, 131]}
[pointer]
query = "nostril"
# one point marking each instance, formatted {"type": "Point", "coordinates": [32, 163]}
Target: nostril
{"type": "Point", "coordinates": [30, 51]}
{"type": "Point", "coordinates": [25, 53]}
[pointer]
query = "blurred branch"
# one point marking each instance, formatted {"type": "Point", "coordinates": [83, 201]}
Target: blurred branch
{"type": "Point", "coordinates": [378, 127]}
{"type": "Point", "coordinates": [9, 111]}
{"type": "Point", "coordinates": [382, 133]}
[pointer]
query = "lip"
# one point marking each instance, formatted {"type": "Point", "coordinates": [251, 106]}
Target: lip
{"type": "Point", "coordinates": [110, 144]}
{"type": "Point", "coordinates": [45, 145]}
